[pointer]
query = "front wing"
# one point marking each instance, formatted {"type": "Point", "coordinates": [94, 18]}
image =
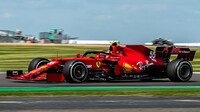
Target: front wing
{"type": "Point", "coordinates": [19, 74]}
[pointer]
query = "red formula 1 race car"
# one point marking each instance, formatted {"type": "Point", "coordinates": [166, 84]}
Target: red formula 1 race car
{"type": "Point", "coordinates": [120, 62]}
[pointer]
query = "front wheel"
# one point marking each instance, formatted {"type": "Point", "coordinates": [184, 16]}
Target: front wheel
{"type": "Point", "coordinates": [75, 71]}
{"type": "Point", "coordinates": [36, 63]}
{"type": "Point", "coordinates": [179, 70]}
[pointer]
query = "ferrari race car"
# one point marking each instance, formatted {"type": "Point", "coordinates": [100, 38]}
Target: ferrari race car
{"type": "Point", "coordinates": [120, 62]}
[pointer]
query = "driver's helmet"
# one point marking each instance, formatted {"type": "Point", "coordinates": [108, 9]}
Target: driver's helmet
{"type": "Point", "coordinates": [114, 43]}
{"type": "Point", "coordinates": [114, 48]}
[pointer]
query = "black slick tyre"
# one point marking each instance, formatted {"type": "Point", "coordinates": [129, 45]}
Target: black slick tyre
{"type": "Point", "coordinates": [36, 63]}
{"type": "Point", "coordinates": [179, 70]}
{"type": "Point", "coordinates": [75, 71]}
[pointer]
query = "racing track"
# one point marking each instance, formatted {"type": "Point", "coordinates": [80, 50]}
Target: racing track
{"type": "Point", "coordinates": [195, 81]}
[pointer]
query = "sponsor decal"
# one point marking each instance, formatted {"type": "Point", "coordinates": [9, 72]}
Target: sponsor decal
{"type": "Point", "coordinates": [144, 66]}
{"type": "Point", "coordinates": [89, 66]}
{"type": "Point", "coordinates": [134, 76]}
{"type": "Point", "coordinates": [98, 64]}
{"type": "Point", "coordinates": [127, 67]}
{"type": "Point", "coordinates": [15, 73]}
{"type": "Point", "coordinates": [114, 57]}
{"type": "Point", "coordinates": [185, 52]}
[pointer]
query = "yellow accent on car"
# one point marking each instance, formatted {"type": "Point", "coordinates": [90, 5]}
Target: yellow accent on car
{"type": "Point", "coordinates": [34, 71]}
{"type": "Point", "coordinates": [135, 68]}
{"type": "Point", "coordinates": [44, 66]}
{"type": "Point", "coordinates": [98, 64]}
{"type": "Point", "coordinates": [127, 67]}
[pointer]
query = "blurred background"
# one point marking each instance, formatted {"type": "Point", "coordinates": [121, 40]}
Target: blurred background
{"type": "Point", "coordinates": [128, 21]}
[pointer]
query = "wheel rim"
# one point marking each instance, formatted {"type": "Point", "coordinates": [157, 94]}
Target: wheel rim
{"type": "Point", "coordinates": [79, 72]}
{"type": "Point", "coordinates": [184, 71]}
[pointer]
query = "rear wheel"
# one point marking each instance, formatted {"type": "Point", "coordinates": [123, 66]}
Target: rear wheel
{"type": "Point", "coordinates": [75, 71]}
{"type": "Point", "coordinates": [36, 63]}
{"type": "Point", "coordinates": [179, 70]}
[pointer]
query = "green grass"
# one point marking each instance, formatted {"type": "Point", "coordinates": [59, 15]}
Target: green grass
{"type": "Point", "coordinates": [136, 92]}
{"type": "Point", "coordinates": [196, 61]}
{"type": "Point", "coordinates": [19, 56]}
{"type": "Point", "coordinates": [13, 57]}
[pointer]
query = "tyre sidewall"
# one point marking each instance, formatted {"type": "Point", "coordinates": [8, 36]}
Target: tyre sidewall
{"type": "Point", "coordinates": [68, 71]}
{"type": "Point", "coordinates": [178, 69]}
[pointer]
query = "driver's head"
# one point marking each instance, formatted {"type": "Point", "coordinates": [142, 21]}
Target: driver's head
{"type": "Point", "coordinates": [113, 47]}
{"type": "Point", "coordinates": [114, 43]}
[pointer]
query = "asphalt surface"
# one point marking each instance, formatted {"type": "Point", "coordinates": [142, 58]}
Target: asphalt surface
{"type": "Point", "coordinates": [195, 81]}
{"type": "Point", "coordinates": [100, 103]}
{"type": "Point", "coordinates": [181, 103]}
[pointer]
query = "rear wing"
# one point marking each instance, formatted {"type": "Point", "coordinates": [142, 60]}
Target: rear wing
{"type": "Point", "coordinates": [183, 53]}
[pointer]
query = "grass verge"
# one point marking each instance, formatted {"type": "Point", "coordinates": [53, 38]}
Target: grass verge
{"type": "Point", "coordinates": [134, 92]}
{"type": "Point", "coordinates": [18, 57]}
